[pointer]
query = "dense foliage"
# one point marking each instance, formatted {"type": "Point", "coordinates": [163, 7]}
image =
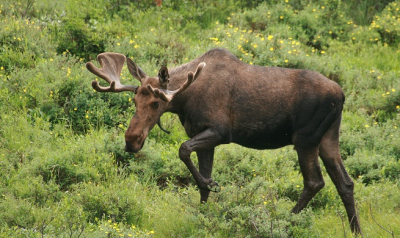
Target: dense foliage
{"type": "Point", "coordinates": [63, 171]}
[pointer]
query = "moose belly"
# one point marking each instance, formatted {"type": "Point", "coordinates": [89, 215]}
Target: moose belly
{"type": "Point", "coordinates": [263, 138]}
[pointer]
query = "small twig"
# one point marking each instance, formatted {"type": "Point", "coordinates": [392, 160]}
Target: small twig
{"type": "Point", "coordinates": [390, 232]}
{"type": "Point", "coordinates": [250, 195]}
{"type": "Point", "coordinates": [28, 6]}
{"type": "Point", "coordinates": [341, 218]}
{"type": "Point", "coordinates": [45, 224]}
{"type": "Point", "coordinates": [280, 235]}
{"type": "Point", "coordinates": [82, 229]}
{"type": "Point", "coordinates": [272, 233]}
{"type": "Point", "coordinates": [357, 215]}
{"type": "Point", "coordinates": [254, 225]}
{"type": "Point", "coordinates": [269, 216]}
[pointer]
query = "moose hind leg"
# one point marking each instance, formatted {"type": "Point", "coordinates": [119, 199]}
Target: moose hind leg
{"type": "Point", "coordinates": [330, 155]}
{"type": "Point", "coordinates": [206, 158]}
{"type": "Point", "coordinates": [312, 176]}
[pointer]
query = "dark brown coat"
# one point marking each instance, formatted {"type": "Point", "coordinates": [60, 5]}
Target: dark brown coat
{"type": "Point", "coordinates": [228, 101]}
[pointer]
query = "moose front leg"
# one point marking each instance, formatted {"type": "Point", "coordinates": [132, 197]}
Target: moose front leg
{"type": "Point", "coordinates": [206, 158]}
{"type": "Point", "coordinates": [204, 144]}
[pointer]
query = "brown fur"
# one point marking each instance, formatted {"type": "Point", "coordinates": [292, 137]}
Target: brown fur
{"type": "Point", "coordinates": [257, 107]}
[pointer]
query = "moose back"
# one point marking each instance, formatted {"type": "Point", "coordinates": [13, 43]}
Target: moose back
{"type": "Point", "coordinates": [220, 100]}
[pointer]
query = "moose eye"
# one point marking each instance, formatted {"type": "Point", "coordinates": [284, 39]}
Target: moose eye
{"type": "Point", "coordinates": [154, 105]}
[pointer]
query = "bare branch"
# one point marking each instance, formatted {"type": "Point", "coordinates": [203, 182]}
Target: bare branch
{"type": "Point", "coordinates": [383, 228]}
{"type": "Point", "coordinates": [28, 6]}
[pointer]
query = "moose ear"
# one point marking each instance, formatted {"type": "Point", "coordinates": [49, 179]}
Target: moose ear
{"type": "Point", "coordinates": [163, 76]}
{"type": "Point", "coordinates": [135, 70]}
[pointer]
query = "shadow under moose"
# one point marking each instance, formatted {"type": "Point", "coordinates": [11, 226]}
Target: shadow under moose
{"type": "Point", "coordinates": [220, 100]}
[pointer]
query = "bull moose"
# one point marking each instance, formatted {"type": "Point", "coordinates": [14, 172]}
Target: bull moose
{"type": "Point", "coordinates": [228, 101]}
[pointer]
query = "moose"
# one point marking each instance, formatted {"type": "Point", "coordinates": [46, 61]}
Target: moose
{"type": "Point", "coordinates": [220, 99]}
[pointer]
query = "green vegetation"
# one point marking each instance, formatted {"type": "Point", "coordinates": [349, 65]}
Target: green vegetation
{"type": "Point", "coordinates": [63, 171]}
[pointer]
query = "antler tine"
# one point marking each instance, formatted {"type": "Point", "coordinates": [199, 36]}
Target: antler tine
{"type": "Point", "coordinates": [111, 67]}
{"type": "Point", "coordinates": [192, 77]}
{"type": "Point", "coordinates": [167, 95]}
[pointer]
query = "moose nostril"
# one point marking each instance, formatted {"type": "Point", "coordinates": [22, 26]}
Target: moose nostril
{"type": "Point", "coordinates": [128, 147]}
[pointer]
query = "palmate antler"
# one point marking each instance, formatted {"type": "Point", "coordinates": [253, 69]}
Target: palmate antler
{"type": "Point", "coordinates": [111, 67]}
{"type": "Point", "coordinates": [167, 95]}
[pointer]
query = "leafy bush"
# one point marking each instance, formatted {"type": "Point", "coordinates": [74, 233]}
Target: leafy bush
{"type": "Point", "coordinates": [79, 39]}
{"type": "Point", "coordinates": [115, 203]}
{"type": "Point", "coordinates": [386, 23]}
{"type": "Point", "coordinates": [266, 219]}
{"type": "Point", "coordinates": [392, 170]}
{"type": "Point", "coordinates": [22, 44]}
{"type": "Point", "coordinates": [366, 166]}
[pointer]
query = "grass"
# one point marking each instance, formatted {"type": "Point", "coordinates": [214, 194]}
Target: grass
{"type": "Point", "coordinates": [63, 171]}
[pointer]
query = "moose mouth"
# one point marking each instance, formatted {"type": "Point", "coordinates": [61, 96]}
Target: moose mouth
{"type": "Point", "coordinates": [129, 147]}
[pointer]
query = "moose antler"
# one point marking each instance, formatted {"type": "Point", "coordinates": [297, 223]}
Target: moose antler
{"type": "Point", "coordinates": [111, 67]}
{"type": "Point", "coordinates": [167, 95]}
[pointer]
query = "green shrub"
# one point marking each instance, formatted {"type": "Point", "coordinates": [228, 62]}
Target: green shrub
{"type": "Point", "coordinates": [34, 189]}
{"type": "Point", "coordinates": [392, 170]}
{"type": "Point", "coordinates": [160, 163]}
{"type": "Point", "coordinates": [386, 23]}
{"type": "Point", "coordinates": [70, 220]}
{"type": "Point", "coordinates": [117, 203]}
{"type": "Point", "coordinates": [22, 43]}
{"type": "Point", "coordinates": [79, 39]}
{"type": "Point", "coordinates": [363, 12]}
{"type": "Point", "coordinates": [265, 219]}
{"type": "Point", "coordinates": [63, 170]}
{"type": "Point", "coordinates": [366, 166]}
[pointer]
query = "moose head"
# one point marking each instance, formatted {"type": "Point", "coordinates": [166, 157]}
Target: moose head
{"type": "Point", "coordinates": [151, 98]}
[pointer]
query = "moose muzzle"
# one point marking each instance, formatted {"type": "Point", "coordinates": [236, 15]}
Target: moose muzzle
{"type": "Point", "coordinates": [134, 142]}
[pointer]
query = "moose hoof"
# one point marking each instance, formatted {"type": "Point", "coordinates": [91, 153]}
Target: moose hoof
{"type": "Point", "coordinates": [213, 186]}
